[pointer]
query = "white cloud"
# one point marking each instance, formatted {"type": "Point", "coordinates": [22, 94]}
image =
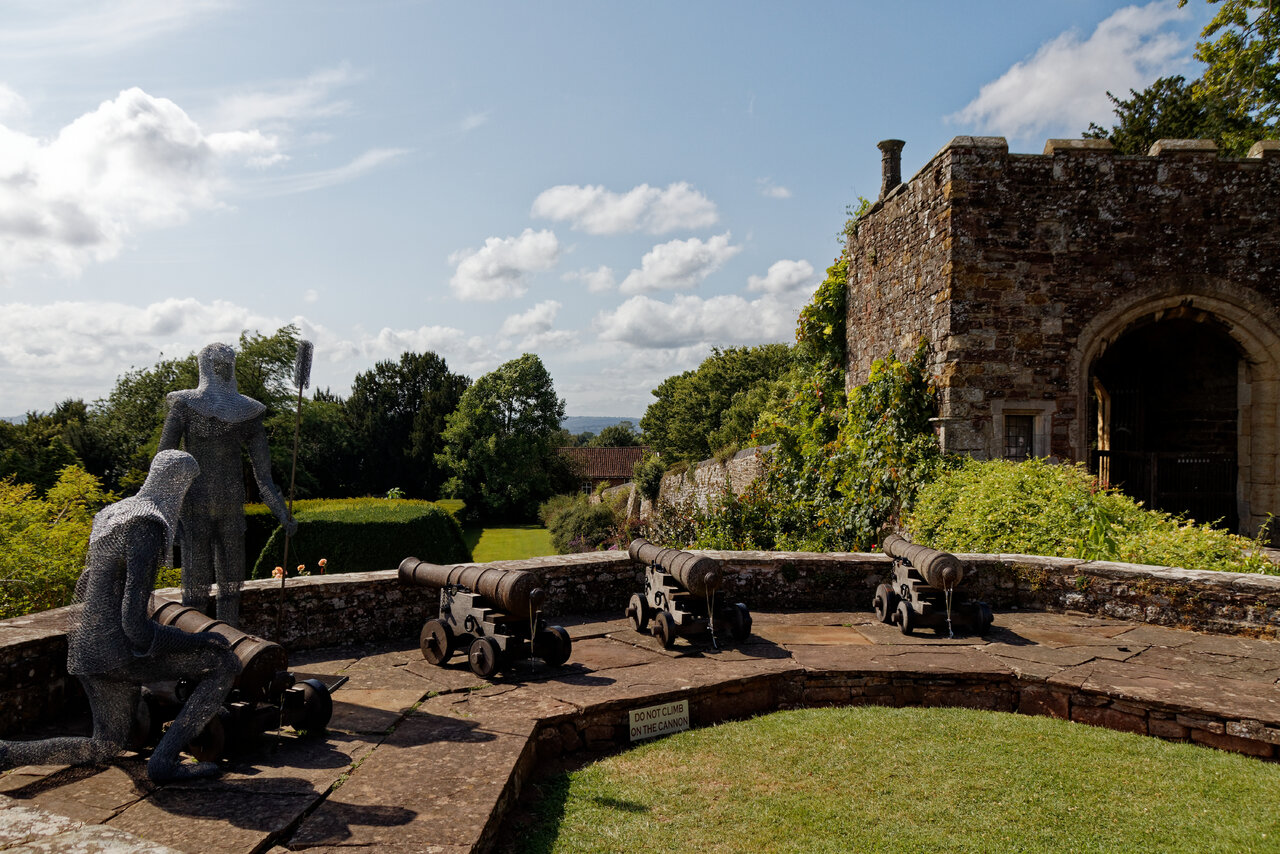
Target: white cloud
{"type": "Point", "coordinates": [679, 264]}
{"type": "Point", "coordinates": [136, 161]}
{"type": "Point", "coordinates": [1063, 86]}
{"type": "Point", "coordinates": [534, 327]}
{"type": "Point", "coordinates": [91, 27]}
{"type": "Point", "coordinates": [78, 349]}
{"type": "Point", "coordinates": [783, 277]}
{"type": "Point", "coordinates": [770, 190]}
{"type": "Point", "coordinates": [691, 321]}
{"type": "Point", "coordinates": [497, 270]}
{"type": "Point", "coordinates": [595, 210]}
{"type": "Point", "coordinates": [311, 296]}
{"type": "Point", "coordinates": [287, 102]}
{"type": "Point", "coordinates": [597, 281]}
{"type": "Point", "coordinates": [473, 121]}
{"type": "Point", "coordinates": [306, 182]}
{"type": "Point", "coordinates": [12, 105]}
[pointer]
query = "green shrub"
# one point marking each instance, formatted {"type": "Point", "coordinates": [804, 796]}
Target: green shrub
{"type": "Point", "coordinates": [577, 525]}
{"type": "Point", "coordinates": [647, 475]}
{"type": "Point", "coordinates": [364, 534]}
{"type": "Point", "coordinates": [1040, 508]}
{"type": "Point", "coordinates": [44, 540]}
{"type": "Point", "coordinates": [839, 472]}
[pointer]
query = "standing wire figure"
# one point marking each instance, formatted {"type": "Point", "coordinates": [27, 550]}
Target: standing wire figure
{"type": "Point", "coordinates": [114, 647]}
{"type": "Point", "coordinates": [214, 421]}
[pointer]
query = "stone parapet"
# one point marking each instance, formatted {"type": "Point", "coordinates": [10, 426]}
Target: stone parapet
{"type": "Point", "coordinates": [353, 608]}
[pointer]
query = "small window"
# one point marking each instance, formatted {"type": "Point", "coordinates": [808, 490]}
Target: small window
{"type": "Point", "coordinates": [1019, 431]}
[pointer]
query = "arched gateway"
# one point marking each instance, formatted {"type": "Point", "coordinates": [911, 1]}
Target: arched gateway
{"type": "Point", "coordinates": [1122, 311]}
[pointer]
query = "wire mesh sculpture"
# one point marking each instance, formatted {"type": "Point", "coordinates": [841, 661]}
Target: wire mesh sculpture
{"type": "Point", "coordinates": [114, 647]}
{"type": "Point", "coordinates": [213, 422]}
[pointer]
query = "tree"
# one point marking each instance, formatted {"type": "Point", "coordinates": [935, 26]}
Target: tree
{"type": "Point", "coordinates": [1171, 108]}
{"type": "Point", "coordinates": [499, 444]}
{"type": "Point", "coordinates": [1235, 102]}
{"type": "Point", "coordinates": [689, 413]}
{"type": "Point", "coordinates": [397, 413]}
{"type": "Point", "coordinates": [621, 435]}
{"type": "Point", "coordinates": [1241, 49]}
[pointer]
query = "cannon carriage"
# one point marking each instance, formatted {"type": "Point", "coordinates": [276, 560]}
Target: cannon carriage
{"type": "Point", "coordinates": [265, 695]}
{"type": "Point", "coordinates": [495, 614]}
{"type": "Point", "coordinates": [682, 596]}
{"type": "Point", "coordinates": [923, 591]}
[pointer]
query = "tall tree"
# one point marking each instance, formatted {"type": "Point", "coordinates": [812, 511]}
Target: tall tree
{"type": "Point", "coordinates": [620, 435]}
{"type": "Point", "coordinates": [500, 442]}
{"type": "Point", "coordinates": [1235, 102]}
{"type": "Point", "coordinates": [688, 419]}
{"type": "Point", "coordinates": [397, 413]}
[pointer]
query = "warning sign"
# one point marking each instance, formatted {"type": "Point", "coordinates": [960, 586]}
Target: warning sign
{"type": "Point", "coordinates": [659, 720]}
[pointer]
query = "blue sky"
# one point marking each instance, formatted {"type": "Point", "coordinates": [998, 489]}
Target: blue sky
{"type": "Point", "coordinates": [615, 187]}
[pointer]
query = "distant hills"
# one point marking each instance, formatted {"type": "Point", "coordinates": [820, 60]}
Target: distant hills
{"type": "Point", "coordinates": [594, 423]}
{"type": "Point", "coordinates": [22, 419]}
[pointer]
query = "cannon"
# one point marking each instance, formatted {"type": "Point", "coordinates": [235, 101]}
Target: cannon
{"type": "Point", "coordinates": [682, 596]}
{"type": "Point", "coordinates": [495, 613]}
{"type": "Point", "coordinates": [264, 696]}
{"type": "Point", "coordinates": [924, 591]}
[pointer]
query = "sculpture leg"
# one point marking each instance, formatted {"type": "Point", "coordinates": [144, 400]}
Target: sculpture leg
{"type": "Point", "coordinates": [229, 566]}
{"type": "Point", "coordinates": [197, 564]}
{"type": "Point", "coordinates": [215, 668]}
{"type": "Point", "coordinates": [112, 703]}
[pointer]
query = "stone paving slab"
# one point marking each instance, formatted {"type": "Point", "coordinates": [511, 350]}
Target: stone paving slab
{"type": "Point", "coordinates": [419, 757]}
{"type": "Point", "coordinates": [786, 634]}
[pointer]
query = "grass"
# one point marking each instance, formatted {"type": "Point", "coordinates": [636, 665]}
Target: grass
{"type": "Point", "coordinates": [910, 780]}
{"type": "Point", "coordinates": [514, 542]}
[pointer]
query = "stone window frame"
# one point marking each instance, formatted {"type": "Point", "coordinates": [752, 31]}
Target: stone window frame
{"type": "Point", "coordinates": [1041, 410]}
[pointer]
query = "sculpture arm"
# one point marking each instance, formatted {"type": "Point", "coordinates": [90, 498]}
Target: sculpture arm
{"type": "Point", "coordinates": [145, 544]}
{"type": "Point", "coordinates": [260, 459]}
{"type": "Point", "coordinates": [174, 427]}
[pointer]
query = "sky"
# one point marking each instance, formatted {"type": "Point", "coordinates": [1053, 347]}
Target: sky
{"type": "Point", "coordinates": [616, 187]}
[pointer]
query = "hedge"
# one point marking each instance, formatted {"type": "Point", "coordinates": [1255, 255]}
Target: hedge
{"type": "Point", "coordinates": [360, 535]}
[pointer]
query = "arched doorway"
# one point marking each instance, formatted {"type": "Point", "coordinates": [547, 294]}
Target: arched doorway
{"type": "Point", "coordinates": [1166, 410]}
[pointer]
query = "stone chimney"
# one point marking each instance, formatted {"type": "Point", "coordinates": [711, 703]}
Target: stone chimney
{"type": "Point", "coordinates": [890, 164]}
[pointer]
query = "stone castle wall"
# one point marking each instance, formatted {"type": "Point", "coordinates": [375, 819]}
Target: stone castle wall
{"type": "Point", "coordinates": [1020, 269]}
{"type": "Point", "coordinates": [335, 610]}
{"type": "Point", "coordinates": [1002, 261]}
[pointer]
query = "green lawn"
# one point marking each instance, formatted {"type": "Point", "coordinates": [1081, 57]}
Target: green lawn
{"type": "Point", "coordinates": [910, 780]}
{"type": "Point", "coordinates": [513, 542]}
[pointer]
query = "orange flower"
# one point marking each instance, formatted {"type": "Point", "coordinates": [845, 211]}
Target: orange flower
{"type": "Point", "coordinates": [278, 572]}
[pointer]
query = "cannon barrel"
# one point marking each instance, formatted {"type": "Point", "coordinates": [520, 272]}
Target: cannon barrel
{"type": "Point", "coordinates": [513, 590]}
{"type": "Point", "coordinates": [698, 574]}
{"type": "Point", "coordinates": [260, 660]}
{"type": "Point", "coordinates": [939, 569]}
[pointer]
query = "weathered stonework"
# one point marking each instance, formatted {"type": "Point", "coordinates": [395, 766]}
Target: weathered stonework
{"type": "Point", "coordinates": [1021, 270]}
{"type": "Point", "coordinates": [374, 606]}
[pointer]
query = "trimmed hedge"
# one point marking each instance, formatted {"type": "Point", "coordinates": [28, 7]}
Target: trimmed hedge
{"type": "Point", "coordinates": [361, 535]}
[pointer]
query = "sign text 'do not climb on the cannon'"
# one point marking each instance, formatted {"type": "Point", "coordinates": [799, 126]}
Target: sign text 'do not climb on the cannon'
{"type": "Point", "coordinates": [659, 720]}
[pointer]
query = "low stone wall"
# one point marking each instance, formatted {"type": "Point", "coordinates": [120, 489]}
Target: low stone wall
{"type": "Point", "coordinates": [341, 609]}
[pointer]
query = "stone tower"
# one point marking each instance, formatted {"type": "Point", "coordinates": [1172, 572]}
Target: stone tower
{"type": "Point", "coordinates": [1081, 305]}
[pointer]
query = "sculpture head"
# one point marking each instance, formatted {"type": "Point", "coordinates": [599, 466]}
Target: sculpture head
{"type": "Point", "coordinates": [160, 497]}
{"type": "Point", "coordinates": [217, 364]}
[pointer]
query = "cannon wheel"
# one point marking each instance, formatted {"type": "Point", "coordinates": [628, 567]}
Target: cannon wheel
{"type": "Point", "coordinates": [885, 602]}
{"type": "Point", "coordinates": [484, 657]}
{"type": "Point", "coordinates": [317, 707]}
{"type": "Point", "coordinates": [739, 622]}
{"type": "Point", "coordinates": [906, 617]}
{"type": "Point", "coordinates": [553, 645]}
{"type": "Point", "coordinates": [639, 612]}
{"type": "Point", "coordinates": [664, 629]}
{"type": "Point", "coordinates": [211, 743]}
{"type": "Point", "coordinates": [437, 642]}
